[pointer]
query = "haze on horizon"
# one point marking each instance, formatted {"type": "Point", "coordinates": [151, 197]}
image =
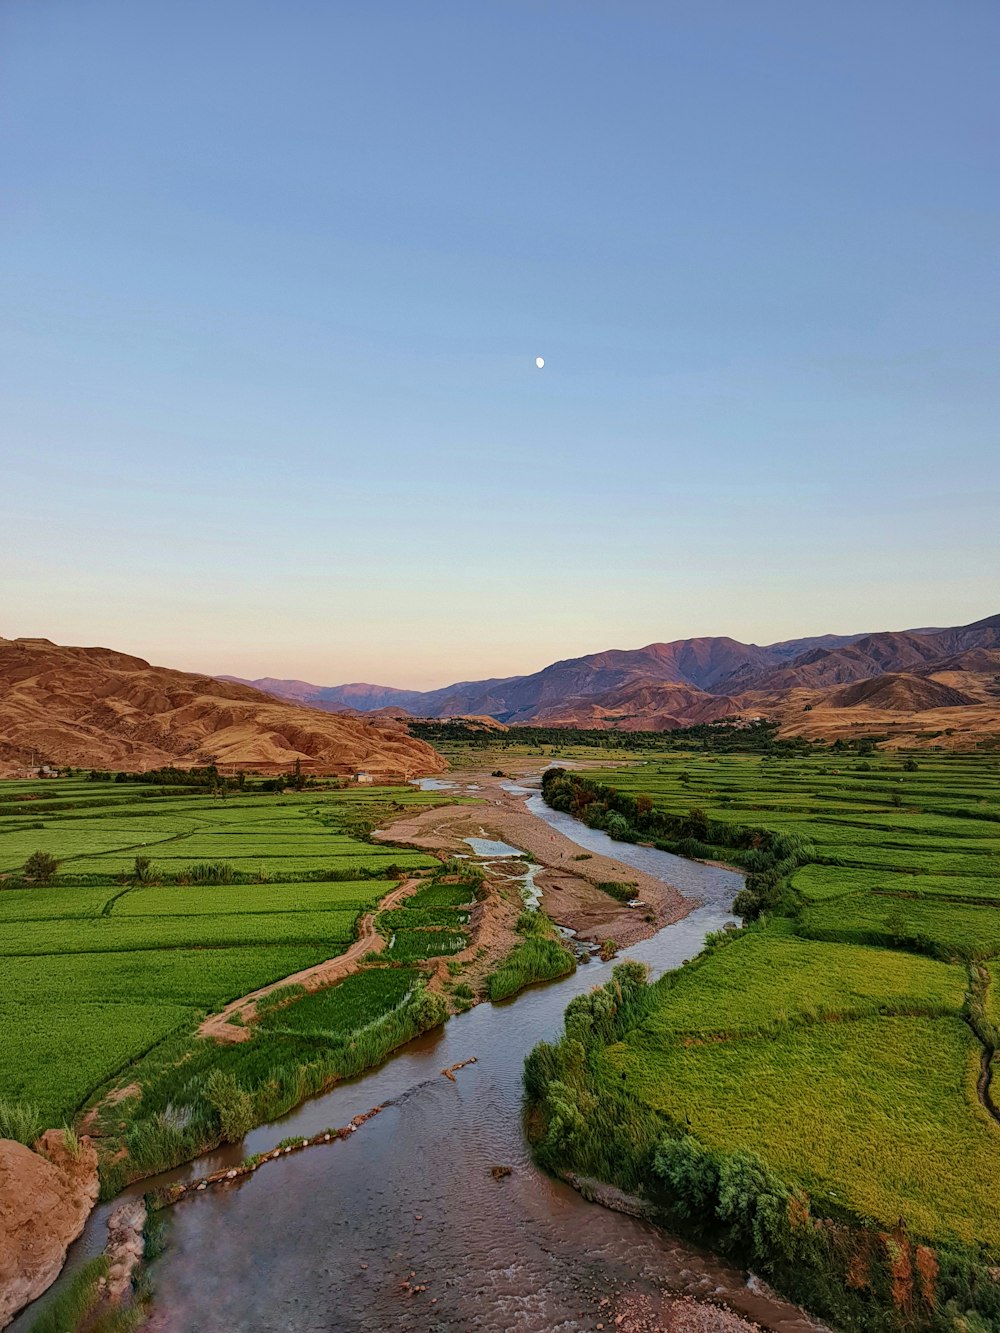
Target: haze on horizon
{"type": "Point", "coordinates": [276, 276]}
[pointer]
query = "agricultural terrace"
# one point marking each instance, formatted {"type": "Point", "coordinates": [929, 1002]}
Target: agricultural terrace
{"type": "Point", "coordinates": [108, 960]}
{"type": "Point", "coordinates": [844, 1038]}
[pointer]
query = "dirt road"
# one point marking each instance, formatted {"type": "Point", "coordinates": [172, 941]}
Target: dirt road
{"type": "Point", "coordinates": [312, 978]}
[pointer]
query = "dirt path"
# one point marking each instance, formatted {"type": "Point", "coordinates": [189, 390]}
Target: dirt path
{"type": "Point", "coordinates": [569, 879]}
{"type": "Point", "coordinates": [317, 977]}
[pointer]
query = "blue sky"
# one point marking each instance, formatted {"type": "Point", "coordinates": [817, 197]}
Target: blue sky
{"type": "Point", "coordinates": [275, 274]}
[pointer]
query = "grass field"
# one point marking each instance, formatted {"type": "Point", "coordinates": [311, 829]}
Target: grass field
{"type": "Point", "coordinates": [827, 1104]}
{"type": "Point", "coordinates": [829, 1039]}
{"type": "Point", "coordinates": [99, 967]}
{"type": "Point", "coordinates": [359, 1000]}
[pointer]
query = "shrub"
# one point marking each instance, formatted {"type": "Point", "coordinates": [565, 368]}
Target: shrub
{"type": "Point", "coordinates": [534, 959]}
{"type": "Point", "coordinates": [618, 889]}
{"type": "Point", "coordinates": [40, 867]}
{"type": "Point", "coordinates": [233, 1105]}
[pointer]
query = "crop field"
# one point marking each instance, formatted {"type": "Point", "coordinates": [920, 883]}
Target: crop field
{"type": "Point", "coordinates": [100, 964]}
{"type": "Point", "coordinates": [943, 928]}
{"type": "Point", "coordinates": [442, 895]}
{"type": "Point", "coordinates": [881, 1114]}
{"type": "Point", "coordinates": [277, 834]}
{"type": "Point", "coordinates": [831, 1038]}
{"type": "Point", "coordinates": [411, 946]}
{"type": "Point", "coordinates": [815, 882]}
{"type": "Point", "coordinates": [54, 1054]}
{"type": "Point", "coordinates": [331, 930]}
{"type": "Point", "coordinates": [769, 977]}
{"type": "Point", "coordinates": [360, 999]}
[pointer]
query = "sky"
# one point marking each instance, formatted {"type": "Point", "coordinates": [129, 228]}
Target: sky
{"type": "Point", "coordinates": [275, 274]}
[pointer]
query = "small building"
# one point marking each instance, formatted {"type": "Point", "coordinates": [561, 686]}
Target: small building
{"type": "Point", "coordinates": [363, 777]}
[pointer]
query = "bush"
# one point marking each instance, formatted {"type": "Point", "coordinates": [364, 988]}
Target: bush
{"type": "Point", "coordinates": [215, 872]}
{"type": "Point", "coordinates": [40, 867]}
{"type": "Point", "coordinates": [233, 1105]}
{"type": "Point", "coordinates": [535, 959]}
{"type": "Point", "coordinates": [617, 889]}
{"type": "Point", "coordinates": [142, 870]}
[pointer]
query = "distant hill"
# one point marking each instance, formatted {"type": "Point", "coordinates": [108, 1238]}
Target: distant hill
{"type": "Point", "coordinates": [94, 707]}
{"type": "Point", "coordinates": [675, 684]}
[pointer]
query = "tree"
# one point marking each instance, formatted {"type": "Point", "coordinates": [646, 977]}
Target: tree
{"type": "Point", "coordinates": [40, 867]}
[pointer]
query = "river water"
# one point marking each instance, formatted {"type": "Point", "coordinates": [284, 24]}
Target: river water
{"type": "Point", "coordinates": [323, 1240]}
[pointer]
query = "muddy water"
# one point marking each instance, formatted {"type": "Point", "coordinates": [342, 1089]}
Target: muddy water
{"type": "Point", "coordinates": [323, 1240]}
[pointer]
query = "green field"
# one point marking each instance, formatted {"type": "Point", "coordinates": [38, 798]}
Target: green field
{"type": "Point", "coordinates": [99, 966]}
{"type": "Point", "coordinates": [359, 1000]}
{"type": "Point", "coordinates": [827, 1104]}
{"type": "Point", "coordinates": [831, 1040]}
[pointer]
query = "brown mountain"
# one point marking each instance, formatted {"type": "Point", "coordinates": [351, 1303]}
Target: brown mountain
{"type": "Point", "coordinates": [98, 708]}
{"type": "Point", "coordinates": [899, 692]}
{"type": "Point", "coordinates": [874, 655]}
{"type": "Point", "coordinates": [643, 706]}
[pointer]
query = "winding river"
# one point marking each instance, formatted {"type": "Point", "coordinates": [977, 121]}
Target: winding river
{"type": "Point", "coordinates": [324, 1239]}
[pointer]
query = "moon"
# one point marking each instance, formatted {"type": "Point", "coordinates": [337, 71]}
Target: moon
{"type": "Point", "coordinates": [539, 361]}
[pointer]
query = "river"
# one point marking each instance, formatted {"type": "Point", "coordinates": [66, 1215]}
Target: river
{"type": "Point", "coordinates": [324, 1240]}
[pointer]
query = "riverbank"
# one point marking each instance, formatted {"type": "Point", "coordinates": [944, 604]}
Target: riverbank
{"type": "Point", "coordinates": [570, 877]}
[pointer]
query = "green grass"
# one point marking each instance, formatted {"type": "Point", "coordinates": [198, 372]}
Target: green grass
{"type": "Point", "coordinates": [945, 929]}
{"type": "Point", "coordinates": [202, 978]}
{"type": "Point", "coordinates": [880, 1116]}
{"type": "Point", "coordinates": [107, 934]}
{"type": "Point", "coordinates": [56, 903]}
{"type": "Point", "coordinates": [993, 998]}
{"type": "Point", "coordinates": [442, 895]}
{"type": "Point", "coordinates": [55, 1055]}
{"type": "Point", "coordinates": [208, 900]}
{"type": "Point", "coordinates": [817, 881]}
{"type": "Point", "coordinates": [767, 977]}
{"type": "Point", "coordinates": [410, 918]}
{"type": "Point", "coordinates": [540, 956]}
{"type": "Point", "coordinates": [358, 1000]}
{"type": "Point", "coordinates": [73, 1305]}
{"type": "Point", "coordinates": [407, 946]}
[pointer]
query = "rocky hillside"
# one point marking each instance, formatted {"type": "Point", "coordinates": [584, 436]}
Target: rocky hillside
{"type": "Point", "coordinates": [94, 707]}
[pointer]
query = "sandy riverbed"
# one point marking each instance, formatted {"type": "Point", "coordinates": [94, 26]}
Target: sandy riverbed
{"type": "Point", "coordinates": [568, 881]}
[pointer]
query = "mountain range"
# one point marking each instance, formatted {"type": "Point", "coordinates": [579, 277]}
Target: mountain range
{"type": "Point", "coordinates": [826, 685]}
